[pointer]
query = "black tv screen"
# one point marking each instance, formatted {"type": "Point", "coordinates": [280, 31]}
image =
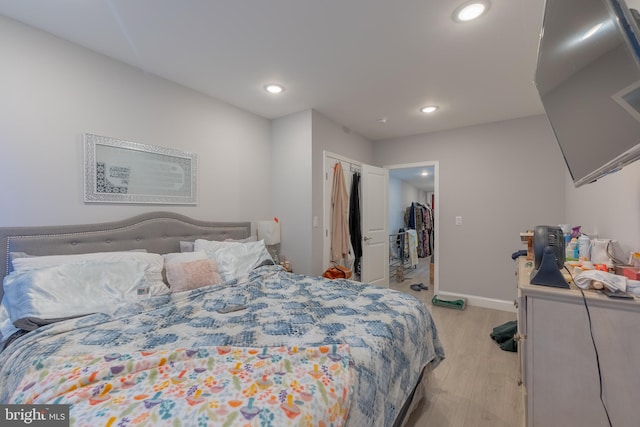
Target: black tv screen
{"type": "Point", "coordinates": [588, 78]}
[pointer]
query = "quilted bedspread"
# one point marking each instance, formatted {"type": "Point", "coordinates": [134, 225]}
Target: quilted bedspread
{"type": "Point", "coordinates": [306, 351]}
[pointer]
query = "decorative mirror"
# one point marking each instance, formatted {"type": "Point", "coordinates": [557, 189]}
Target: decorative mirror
{"type": "Point", "coordinates": [117, 171]}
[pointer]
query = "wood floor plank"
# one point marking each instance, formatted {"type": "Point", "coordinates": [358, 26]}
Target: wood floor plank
{"type": "Point", "coordinates": [476, 385]}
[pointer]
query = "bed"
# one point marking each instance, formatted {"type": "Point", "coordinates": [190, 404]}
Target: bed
{"type": "Point", "coordinates": [266, 347]}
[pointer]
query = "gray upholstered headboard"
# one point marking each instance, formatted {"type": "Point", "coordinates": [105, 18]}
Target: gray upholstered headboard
{"type": "Point", "coordinates": [157, 232]}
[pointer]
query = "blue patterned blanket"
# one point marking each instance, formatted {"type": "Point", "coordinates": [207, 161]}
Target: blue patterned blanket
{"type": "Point", "coordinates": [391, 335]}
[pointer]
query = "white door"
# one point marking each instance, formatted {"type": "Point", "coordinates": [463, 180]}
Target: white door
{"type": "Point", "coordinates": [375, 225]}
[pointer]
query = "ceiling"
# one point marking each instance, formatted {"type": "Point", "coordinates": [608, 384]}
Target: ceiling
{"type": "Point", "coordinates": [414, 177]}
{"type": "Point", "coordinates": [354, 61]}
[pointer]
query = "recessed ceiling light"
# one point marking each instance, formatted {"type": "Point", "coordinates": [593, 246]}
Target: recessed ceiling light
{"type": "Point", "coordinates": [470, 10]}
{"type": "Point", "coordinates": [429, 109]}
{"type": "Point", "coordinates": [273, 88]}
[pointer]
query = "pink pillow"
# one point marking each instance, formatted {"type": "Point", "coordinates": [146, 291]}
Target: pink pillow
{"type": "Point", "coordinates": [186, 276]}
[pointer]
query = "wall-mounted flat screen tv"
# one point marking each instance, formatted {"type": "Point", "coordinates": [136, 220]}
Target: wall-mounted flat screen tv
{"type": "Point", "coordinates": [588, 78]}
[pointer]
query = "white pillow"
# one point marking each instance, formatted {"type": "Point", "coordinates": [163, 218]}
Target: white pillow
{"type": "Point", "coordinates": [245, 240]}
{"type": "Point", "coordinates": [36, 297]}
{"type": "Point", "coordinates": [155, 263]}
{"type": "Point", "coordinates": [235, 259]}
{"type": "Point", "coordinates": [186, 246]}
{"type": "Point", "coordinates": [180, 257]}
{"type": "Point", "coordinates": [6, 325]}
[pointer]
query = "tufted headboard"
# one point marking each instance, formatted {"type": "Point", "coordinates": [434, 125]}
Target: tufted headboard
{"type": "Point", "coordinates": [157, 232]}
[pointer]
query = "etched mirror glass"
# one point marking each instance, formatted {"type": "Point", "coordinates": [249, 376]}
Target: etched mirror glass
{"type": "Point", "coordinates": [118, 171]}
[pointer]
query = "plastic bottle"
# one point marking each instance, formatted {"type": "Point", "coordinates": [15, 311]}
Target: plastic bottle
{"type": "Point", "coordinates": [571, 251]}
{"type": "Point", "coordinates": [584, 244]}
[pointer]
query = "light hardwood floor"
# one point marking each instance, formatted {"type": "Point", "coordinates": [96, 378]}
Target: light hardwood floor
{"type": "Point", "coordinates": [477, 384]}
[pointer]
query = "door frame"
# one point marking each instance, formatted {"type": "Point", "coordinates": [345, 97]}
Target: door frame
{"type": "Point", "coordinates": [436, 213]}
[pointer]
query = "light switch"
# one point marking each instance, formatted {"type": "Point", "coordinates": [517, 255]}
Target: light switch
{"type": "Point", "coordinates": [315, 221]}
{"type": "Point", "coordinates": [458, 220]}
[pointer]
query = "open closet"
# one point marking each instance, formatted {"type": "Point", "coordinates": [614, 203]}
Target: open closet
{"type": "Point", "coordinates": [345, 231]}
{"type": "Point", "coordinates": [412, 197]}
{"type": "Point", "coordinates": [367, 192]}
{"type": "Point", "coordinates": [342, 242]}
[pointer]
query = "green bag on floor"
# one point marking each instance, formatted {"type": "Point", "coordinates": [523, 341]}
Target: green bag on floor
{"type": "Point", "coordinates": [504, 334]}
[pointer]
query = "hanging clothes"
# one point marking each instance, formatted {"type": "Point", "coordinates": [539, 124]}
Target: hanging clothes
{"type": "Point", "coordinates": [339, 227]}
{"type": "Point", "coordinates": [429, 221]}
{"type": "Point", "coordinates": [355, 229]}
{"type": "Point", "coordinates": [420, 218]}
{"type": "Point", "coordinates": [413, 247]}
{"type": "Point", "coordinates": [412, 217]}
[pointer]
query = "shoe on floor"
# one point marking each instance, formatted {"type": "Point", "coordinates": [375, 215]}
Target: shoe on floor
{"type": "Point", "coordinates": [416, 287]}
{"type": "Point", "coordinates": [423, 287]}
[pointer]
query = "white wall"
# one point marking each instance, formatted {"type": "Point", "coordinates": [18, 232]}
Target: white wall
{"type": "Point", "coordinates": [291, 183]}
{"type": "Point", "coordinates": [609, 207]}
{"type": "Point", "coordinates": [298, 142]}
{"type": "Point", "coordinates": [53, 91]}
{"type": "Point", "coordinates": [502, 178]}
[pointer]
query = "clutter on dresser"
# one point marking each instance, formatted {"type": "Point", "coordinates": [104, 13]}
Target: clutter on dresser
{"type": "Point", "coordinates": [590, 262]}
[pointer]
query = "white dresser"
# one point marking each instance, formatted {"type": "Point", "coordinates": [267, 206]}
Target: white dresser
{"type": "Point", "coordinates": [558, 363]}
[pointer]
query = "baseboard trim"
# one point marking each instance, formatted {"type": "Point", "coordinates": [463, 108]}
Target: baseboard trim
{"type": "Point", "coordinates": [477, 301]}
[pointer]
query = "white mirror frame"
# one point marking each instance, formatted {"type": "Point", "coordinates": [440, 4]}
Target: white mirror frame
{"type": "Point", "coordinates": [118, 171]}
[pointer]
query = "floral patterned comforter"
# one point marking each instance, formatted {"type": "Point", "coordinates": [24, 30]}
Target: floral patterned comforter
{"type": "Point", "coordinates": [269, 386]}
{"type": "Point", "coordinates": [384, 339]}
